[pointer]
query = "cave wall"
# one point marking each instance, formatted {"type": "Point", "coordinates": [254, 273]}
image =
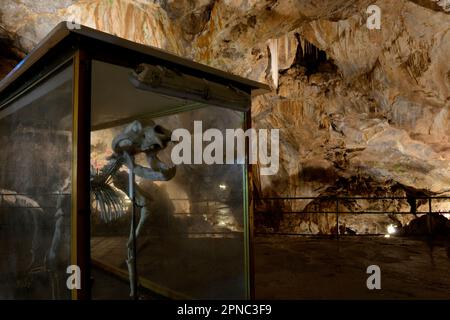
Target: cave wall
{"type": "Point", "coordinates": [10, 55]}
{"type": "Point", "coordinates": [355, 106]}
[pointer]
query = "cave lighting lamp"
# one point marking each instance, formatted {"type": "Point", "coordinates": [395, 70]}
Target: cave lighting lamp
{"type": "Point", "coordinates": [391, 229]}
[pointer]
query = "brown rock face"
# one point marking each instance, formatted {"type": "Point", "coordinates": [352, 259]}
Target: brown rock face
{"type": "Point", "coordinates": [7, 59]}
{"type": "Point", "coordinates": [352, 104]}
{"type": "Point", "coordinates": [9, 55]}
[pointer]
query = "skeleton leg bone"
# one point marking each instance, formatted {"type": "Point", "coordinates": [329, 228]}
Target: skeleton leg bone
{"type": "Point", "coordinates": [50, 259]}
{"type": "Point", "coordinates": [130, 261]}
{"type": "Point", "coordinates": [141, 202]}
{"type": "Point", "coordinates": [35, 241]}
{"type": "Point", "coordinates": [131, 246]}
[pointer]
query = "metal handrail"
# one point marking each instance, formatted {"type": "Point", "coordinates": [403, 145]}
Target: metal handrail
{"type": "Point", "coordinates": [337, 212]}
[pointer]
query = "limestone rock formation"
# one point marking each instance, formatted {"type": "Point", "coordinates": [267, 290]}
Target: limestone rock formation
{"type": "Point", "coordinates": [355, 106]}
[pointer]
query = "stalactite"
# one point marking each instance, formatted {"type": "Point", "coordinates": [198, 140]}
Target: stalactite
{"type": "Point", "coordinates": [308, 55]}
{"type": "Point", "coordinates": [444, 4]}
{"type": "Point", "coordinates": [273, 47]}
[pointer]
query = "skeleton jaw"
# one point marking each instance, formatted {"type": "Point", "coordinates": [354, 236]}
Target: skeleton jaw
{"type": "Point", "coordinates": [158, 170]}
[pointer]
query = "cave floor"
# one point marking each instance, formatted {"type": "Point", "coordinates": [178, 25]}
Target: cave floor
{"type": "Point", "coordinates": [186, 268]}
{"type": "Point", "coordinates": [303, 267]}
{"type": "Point", "coordinates": [317, 268]}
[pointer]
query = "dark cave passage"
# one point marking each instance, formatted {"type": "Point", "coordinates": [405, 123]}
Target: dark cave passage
{"type": "Point", "coordinates": [312, 58]}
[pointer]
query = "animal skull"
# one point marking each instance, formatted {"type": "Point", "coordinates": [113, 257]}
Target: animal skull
{"type": "Point", "coordinates": [148, 139]}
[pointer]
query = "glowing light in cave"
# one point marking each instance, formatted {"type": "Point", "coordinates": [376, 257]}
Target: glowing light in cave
{"type": "Point", "coordinates": [222, 186]}
{"type": "Point", "coordinates": [387, 235]}
{"type": "Point", "coordinates": [447, 215]}
{"type": "Point", "coordinates": [391, 229]}
{"type": "Point", "coordinates": [221, 224]}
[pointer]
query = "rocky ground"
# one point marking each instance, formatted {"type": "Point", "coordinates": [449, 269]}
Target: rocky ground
{"type": "Point", "coordinates": [314, 268]}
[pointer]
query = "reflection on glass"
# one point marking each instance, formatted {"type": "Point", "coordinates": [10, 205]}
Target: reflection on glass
{"type": "Point", "coordinates": [192, 244]}
{"type": "Point", "coordinates": [35, 191]}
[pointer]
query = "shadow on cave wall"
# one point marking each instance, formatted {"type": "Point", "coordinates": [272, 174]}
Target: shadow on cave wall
{"type": "Point", "coordinates": [9, 56]}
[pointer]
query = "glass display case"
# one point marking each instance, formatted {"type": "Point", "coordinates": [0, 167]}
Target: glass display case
{"type": "Point", "coordinates": [93, 203]}
{"type": "Point", "coordinates": [35, 193]}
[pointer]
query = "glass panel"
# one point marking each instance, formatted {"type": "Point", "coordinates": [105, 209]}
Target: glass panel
{"type": "Point", "coordinates": [35, 191]}
{"type": "Point", "coordinates": [191, 243]}
{"type": "Point", "coordinates": [108, 236]}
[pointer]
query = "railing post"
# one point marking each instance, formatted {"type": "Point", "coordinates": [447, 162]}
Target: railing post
{"type": "Point", "coordinates": [429, 216]}
{"type": "Point", "coordinates": [337, 217]}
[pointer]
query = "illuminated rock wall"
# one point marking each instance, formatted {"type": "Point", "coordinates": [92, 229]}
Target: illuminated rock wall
{"type": "Point", "coordinates": [354, 105]}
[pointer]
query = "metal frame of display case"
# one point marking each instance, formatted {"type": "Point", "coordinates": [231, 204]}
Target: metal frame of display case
{"type": "Point", "coordinates": [82, 46]}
